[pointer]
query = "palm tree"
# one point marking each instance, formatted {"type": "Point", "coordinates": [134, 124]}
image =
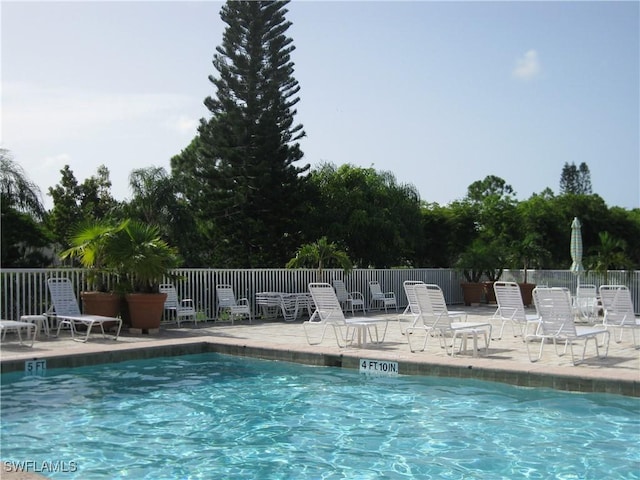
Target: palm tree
{"type": "Point", "coordinates": [141, 257]}
{"type": "Point", "coordinates": [23, 236]}
{"type": "Point", "coordinates": [609, 254]}
{"type": "Point", "coordinates": [320, 254]}
{"type": "Point", "coordinates": [90, 245]}
{"type": "Point", "coordinates": [16, 189]}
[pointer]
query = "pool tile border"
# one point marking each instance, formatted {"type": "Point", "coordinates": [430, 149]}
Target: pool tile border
{"type": "Point", "coordinates": [443, 367]}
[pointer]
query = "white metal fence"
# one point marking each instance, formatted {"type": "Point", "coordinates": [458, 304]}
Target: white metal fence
{"type": "Point", "coordinates": [24, 291]}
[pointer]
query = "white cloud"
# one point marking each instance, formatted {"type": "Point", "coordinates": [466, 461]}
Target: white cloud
{"type": "Point", "coordinates": [528, 66]}
{"type": "Point", "coordinates": [183, 125]}
{"type": "Point", "coordinates": [33, 112]}
{"type": "Point", "coordinates": [56, 162]}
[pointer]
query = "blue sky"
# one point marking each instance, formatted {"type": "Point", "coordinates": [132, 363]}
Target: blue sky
{"type": "Point", "coordinates": [440, 93]}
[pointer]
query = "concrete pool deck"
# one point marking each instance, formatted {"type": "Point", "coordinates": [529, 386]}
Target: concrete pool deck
{"type": "Point", "coordinates": [507, 360]}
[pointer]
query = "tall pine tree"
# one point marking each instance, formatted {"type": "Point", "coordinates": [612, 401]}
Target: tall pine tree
{"type": "Point", "coordinates": [575, 180]}
{"type": "Point", "coordinates": [246, 184]}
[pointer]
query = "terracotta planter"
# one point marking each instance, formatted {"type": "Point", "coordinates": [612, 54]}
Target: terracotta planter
{"type": "Point", "coordinates": [101, 303]}
{"type": "Point", "coordinates": [472, 293]}
{"type": "Point", "coordinates": [526, 290]}
{"type": "Point", "coordinates": [489, 292]}
{"type": "Point", "coordinates": [146, 309]}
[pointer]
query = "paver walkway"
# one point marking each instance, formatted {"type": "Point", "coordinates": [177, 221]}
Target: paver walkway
{"type": "Point", "coordinates": [507, 360]}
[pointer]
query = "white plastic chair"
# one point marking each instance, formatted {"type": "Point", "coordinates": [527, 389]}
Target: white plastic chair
{"type": "Point", "coordinates": [412, 311]}
{"type": "Point", "coordinates": [557, 324]}
{"type": "Point", "coordinates": [12, 325]}
{"type": "Point", "coordinates": [435, 318]}
{"type": "Point", "coordinates": [227, 302]}
{"type": "Point", "coordinates": [348, 300]}
{"type": "Point", "coordinates": [586, 302]}
{"type": "Point", "coordinates": [176, 308]}
{"type": "Point", "coordinates": [388, 299]}
{"type": "Point", "coordinates": [618, 310]}
{"type": "Point", "coordinates": [67, 311]}
{"type": "Point", "coordinates": [328, 313]}
{"type": "Point", "coordinates": [511, 309]}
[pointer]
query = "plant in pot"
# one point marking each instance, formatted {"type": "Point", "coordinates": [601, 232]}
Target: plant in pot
{"type": "Point", "coordinates": [143, 260]}
{"type": "Point", "coordinates": [528, 253]}
{"type": "Point", "coordinates": [495, 257]}
{"type": "Point", "coordinates": [89, 245]}
{"type": "Point", "coordinates": [472, 264]}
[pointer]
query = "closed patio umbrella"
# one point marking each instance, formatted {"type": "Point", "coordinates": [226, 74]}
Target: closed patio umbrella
{"type": "Point", "coordinates": [576, 248]}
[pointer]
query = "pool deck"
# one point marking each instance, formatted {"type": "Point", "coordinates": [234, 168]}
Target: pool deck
{"type": "Point", "coordinates": [507, 360]}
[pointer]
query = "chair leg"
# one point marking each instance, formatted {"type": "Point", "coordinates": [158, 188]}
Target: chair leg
{"type": "Point", "coordinates": [528, 340]}
{"type": "Point", "coordinates": [501, 330]}
{"type": "Point", "coordinates": [86, 337]}
{"type": "Point", "coordinates": [306, 331]}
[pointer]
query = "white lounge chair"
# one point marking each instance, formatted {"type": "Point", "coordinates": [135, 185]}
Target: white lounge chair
{"type": "Point", "coordinates": [175, 308]}
{"type": "Point", "coordinates": [15, 326]}
{"type": "Point", "coordinates": [511, 309]}
{"type": "Point", "coordinates": [411, 312]}
{"type": "Point", "coordinates": [67, 311]}
{"type": "Point", "coordinates": [388, 299]}
{"type": "Point", "coordinates": [618, 310]}
{"type": "Point", "coordinates": [348, 300]}
{"type": "Point", "coordinates": [434, 318]}
{"type": "Point", "coordinates": [586, 303]}
{"type": "Point", "coordinates": [557, 324]}
{"type": "Point", "coordinates": [328, 313]}
{"type": "Point", "coordinates": [227, 302]}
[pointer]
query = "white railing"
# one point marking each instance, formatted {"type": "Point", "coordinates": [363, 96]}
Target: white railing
{"type": "Point", "coordinates": [24, 291]}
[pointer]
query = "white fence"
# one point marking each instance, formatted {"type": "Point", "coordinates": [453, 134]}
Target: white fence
{"type": "Point", "coordinates": [24, 291]}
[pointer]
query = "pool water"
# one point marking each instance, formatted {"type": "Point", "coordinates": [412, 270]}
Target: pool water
{"type": "Point", "coordinates": [221, 417]}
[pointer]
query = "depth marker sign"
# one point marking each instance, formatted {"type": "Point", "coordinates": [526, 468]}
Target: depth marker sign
{"type": "Point", "coordinates": [35, 367]}
{"type": "Point", "coordinates": [378, 367]}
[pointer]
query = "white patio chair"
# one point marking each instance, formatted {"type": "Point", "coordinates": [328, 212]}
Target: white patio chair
{"type": "Point", "coordinates": [226, 300]}
{"type": "Point", "coordinates": [348, 300]}
{"type": "Point", "coordinates": [586, 303]}
{"type": "Point", "coordinates": [557, 324]}
{"type": "Point", "coordinates": [618, 310]}
{"type": "Point", "coordinates": [15, 326]}
{"type": "Point", "coordinates": [388, 299]}
{"type": "Point", "coordinates": [411, 312]}
{"type": "Point", "coordinates": [176, 308]}
{"type": "Point", "coordinates": [434, 318]}
{"type": "Point", "coordinates": [511, 309]}
{"type": "Point", "coordinates": [67, 311]}
{"type": "Point", "coordinates": [328, 313]}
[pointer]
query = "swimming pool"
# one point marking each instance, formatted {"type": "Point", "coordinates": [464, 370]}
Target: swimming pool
{"type": "Point", "coordinates": [213, 416]}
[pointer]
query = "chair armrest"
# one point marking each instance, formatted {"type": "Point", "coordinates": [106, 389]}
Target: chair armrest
{"type": "Point", "coordinates": [243, 300]}
{"type": "Point", "coordinates": [460, 315]}
{"type": "Point", "coordinates": [186, 302]}
{"type": "Point", "coordinates": [357, 295]}
{"type": "Point", "coordinates": [504, 312]}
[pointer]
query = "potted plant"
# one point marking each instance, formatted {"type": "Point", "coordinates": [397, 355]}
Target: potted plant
{"type": "Point", "coordinates": [89, 245]}
{"type": "Point", "coordinates": [143, 260]}
{"type": "Point", "coordinates": [528, 253]}
{"type": "Point", "coordinates": [495, 257]}
{"type": "Point", "coordinates": [493, 275]}
{"type": "Point", "coordinates": [472, 264]}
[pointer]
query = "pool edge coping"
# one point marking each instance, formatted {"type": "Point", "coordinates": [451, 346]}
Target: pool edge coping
{"type": "Point", "coordinates": [585, 381]}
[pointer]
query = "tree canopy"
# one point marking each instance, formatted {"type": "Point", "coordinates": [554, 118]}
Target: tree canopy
{"type": "Point", "coordinates": [23, 234]}
{"type": "Point", "coordinates": [238, 197]}
{"type": "Point", "coordinates": [575, 180]}
{"type": "Point", "coordinates": [241, 169]}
